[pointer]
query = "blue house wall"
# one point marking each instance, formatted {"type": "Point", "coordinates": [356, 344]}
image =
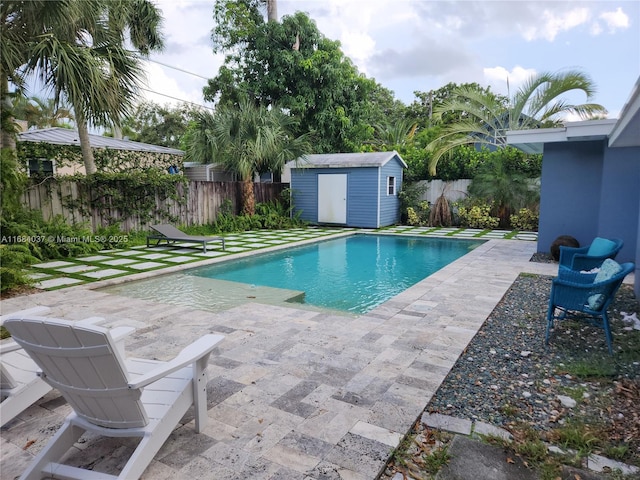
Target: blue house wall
{"type": "Point", "coordinates": [570, 192]}
{"type": "Point", "coordinates": [620, 199]}
{"type": "Point", "coordinates": [589, 190]}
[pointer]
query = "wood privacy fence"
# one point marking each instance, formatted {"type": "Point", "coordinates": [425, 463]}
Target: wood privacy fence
{"type": "Point", "coordinates": [453, 190]}
{"type": "Point", "coordinates": [202, 203]}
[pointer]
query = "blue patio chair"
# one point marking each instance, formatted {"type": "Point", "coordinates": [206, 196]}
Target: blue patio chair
{"type": "Point", "coordinates": [586, 296]}
{"type": "Point", "coordinates": [588, 258]}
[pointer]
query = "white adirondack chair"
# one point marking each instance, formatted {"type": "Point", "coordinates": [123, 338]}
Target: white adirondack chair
{"type": "Point", "coordinates": [20, 385]}
{"type": "Point", "coordinates": [111, 395]}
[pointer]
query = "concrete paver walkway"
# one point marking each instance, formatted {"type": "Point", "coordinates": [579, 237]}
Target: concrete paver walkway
{"type": "Point", "coordinates": [293, 394]}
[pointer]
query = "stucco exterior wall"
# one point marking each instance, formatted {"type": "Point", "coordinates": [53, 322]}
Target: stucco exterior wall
{"type": "Point", "coordinates": [570, 192]}
{"type": "Point", "coordinates": [589, 190]}
{"type": "Point", "coordinates": [620, 197]}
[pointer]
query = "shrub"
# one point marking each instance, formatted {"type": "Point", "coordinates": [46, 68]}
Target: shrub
{"type": "Point", "coordinates": [419, 216]}
{"type": "Point", "coordinates": [13, 260]}
{"type": "Point", "coordinates": [525, 220]}
{"type": "Point", "coordinates": [477, 216]}
{"type": "Point", "coordinates": [409, 197]}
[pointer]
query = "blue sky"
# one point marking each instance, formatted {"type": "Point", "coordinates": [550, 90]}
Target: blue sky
{"type": "Point", "coordinates": [409, 45]}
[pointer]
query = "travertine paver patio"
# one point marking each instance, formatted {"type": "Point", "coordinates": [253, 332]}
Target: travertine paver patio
{"type": "Point", "coordinates": [293, 394]}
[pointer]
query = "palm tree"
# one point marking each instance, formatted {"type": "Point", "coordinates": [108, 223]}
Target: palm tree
{"type": "Point", "coordinates": [397, 134]}
{"type": "Point", "coordinates": [142, 20]}
{"type": "Point", "coordinates": [41, 112]}
{"type": "Point", "coordinates": [77, 50]}
{"type": "Point", "coordinates": [485, 119]}
{"type": "Point", "coordinates": [248, 140]}
{"type": "Point", "coordinates": [507, 191]}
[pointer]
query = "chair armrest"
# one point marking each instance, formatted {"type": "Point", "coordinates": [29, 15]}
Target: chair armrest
{"type": "Point", "coordinates": [119, 334]}
{"type": "Point", "coordinates": [568, 275]}
{"type": "Point", "coordinates": [188, 355]}
{"type": "Point", "coordinates": [92, 321]}
{"type": "Point", "coordinates": [567, 254]}
{"type": "Point", "coordinates": [29, 311]}
{"type": "Point", "coordinates": [9, 346]}
{"type": "Point", "coordinates": [588, 262]}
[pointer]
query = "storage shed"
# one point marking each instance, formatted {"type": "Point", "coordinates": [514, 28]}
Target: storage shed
{"type": "Point", "coordinates": [348, 189]}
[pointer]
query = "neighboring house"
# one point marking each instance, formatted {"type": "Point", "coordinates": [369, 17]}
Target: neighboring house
{"type": "Point", "coordinates": [349, 189]}
{"type": "Point", "coordinates": [127, 153]}
{"type": "Point", "coordinates": [590, 184]}
{"type": "Point", "coordinates": [210, 172]}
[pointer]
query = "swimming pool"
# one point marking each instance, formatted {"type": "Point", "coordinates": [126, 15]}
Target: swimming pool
{"type": "Point", "coordinates": [352, 274]}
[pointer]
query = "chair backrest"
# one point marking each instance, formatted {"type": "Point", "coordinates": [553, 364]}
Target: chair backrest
{"type": "Point", "coordinates": [169, 230]}
{"type": "Point", "coordinates": [7, 382]}
{"type": "Point", "coordinates": [83, 363]}
{"type": "Point", "coordinates": [605, 247]}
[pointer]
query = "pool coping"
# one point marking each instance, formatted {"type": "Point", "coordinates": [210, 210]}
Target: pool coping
{"type": "Point", "coordinates": [293, 393]}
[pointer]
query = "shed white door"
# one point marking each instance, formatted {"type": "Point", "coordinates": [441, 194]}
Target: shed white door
{"type": "Point", "coordinates": [332, 198]}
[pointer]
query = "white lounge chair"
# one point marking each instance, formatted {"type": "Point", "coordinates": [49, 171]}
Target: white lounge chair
{"type": "Point", "coordinates": [20, 386]}
{"type": "Point", "coordinates": [111, 395]}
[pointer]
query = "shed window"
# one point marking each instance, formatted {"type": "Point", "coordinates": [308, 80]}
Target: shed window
{"type": "Point", "coordinates": [391, 185]}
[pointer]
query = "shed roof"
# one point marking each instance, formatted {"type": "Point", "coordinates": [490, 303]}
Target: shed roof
{"type": "Point", "coordinates": [347, 160]}
{"type": "Point", "coordinates": [65, 136]}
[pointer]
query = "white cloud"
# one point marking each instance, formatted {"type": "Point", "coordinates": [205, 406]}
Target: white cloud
{"type": "Point", "coordinates": [596, 29]}
{"type": "Point", "coordinates": [553, 23]}
{"type": "Point", "coordinates": [615, 20]}
{"type": "Point", "coordinates": [506, 82]}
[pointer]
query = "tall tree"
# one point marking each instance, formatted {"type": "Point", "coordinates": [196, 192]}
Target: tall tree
{"type": "Point", "coordinates": [484, 119]}
{"type": "Point", "coordinates": [290, 63]}
{"type": "Point", "coordinates": [41, 112]}
{"type": "Point", "coordinates": [77, 49]}
{"type": "Point", "coordinates": [421, 110]}
{"type": "Point", "coordinates": [272, 10]}
{"type": "Point", "coordinates": [248, 140]}
{"type": "Point", "coordinates": [159, 124]}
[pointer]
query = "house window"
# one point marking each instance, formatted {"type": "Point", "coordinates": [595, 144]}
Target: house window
{"type": "Point", "coordinates": [41, 168]}
{"type": "Point", "coordinates": [391, 185]}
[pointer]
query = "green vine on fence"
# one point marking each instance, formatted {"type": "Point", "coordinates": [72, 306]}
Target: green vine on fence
{"type": "Point", "coordinates": [116, 196]}
{"type": "Point", "coordinates": [129, 183]}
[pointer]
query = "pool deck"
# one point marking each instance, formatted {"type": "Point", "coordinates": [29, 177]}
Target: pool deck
{"type": "Point", "coordinates": [293, 394]}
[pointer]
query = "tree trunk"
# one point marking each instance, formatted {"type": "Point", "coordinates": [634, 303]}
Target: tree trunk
{"type": "Point", "coordinates": [7, 137]}
{"type": "Point", "coordinates": [272, 10]}
{"type": "Point", "coordinates": [85, 143]}
{"type": "Point", "coordinates": [248, 197]}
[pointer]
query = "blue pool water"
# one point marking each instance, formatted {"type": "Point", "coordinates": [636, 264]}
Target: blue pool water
{"type": "Point", "coordinates": [354, 273]}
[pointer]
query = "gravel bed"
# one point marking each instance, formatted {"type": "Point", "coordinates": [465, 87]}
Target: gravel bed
{"type": "Point", "coordinates": [508, 378]}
